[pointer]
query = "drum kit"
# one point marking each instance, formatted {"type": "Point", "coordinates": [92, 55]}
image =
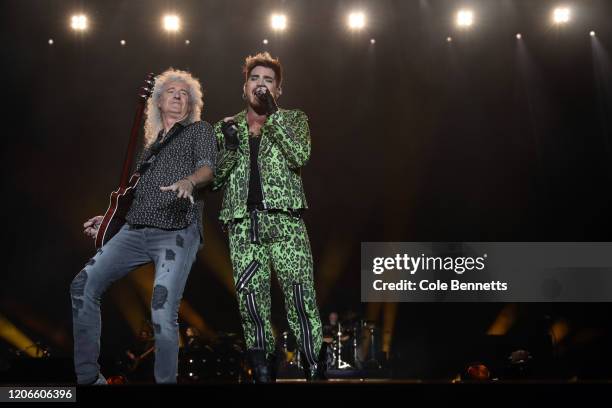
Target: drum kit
{"type": "Point", "coordinates": [353, 346]}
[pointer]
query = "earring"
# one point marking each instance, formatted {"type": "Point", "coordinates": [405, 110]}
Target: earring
{"type": "Point", "coordinates": [244, 98]}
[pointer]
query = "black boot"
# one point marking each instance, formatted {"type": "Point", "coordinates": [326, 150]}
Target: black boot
{"type": "Point", "coordinates": [316, 372]}
{"type": "Point", "coordinates": [260, 366]}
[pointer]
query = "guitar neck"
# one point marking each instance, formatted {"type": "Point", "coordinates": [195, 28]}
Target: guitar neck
{"type": "Point", "coordinates": [131, 149]}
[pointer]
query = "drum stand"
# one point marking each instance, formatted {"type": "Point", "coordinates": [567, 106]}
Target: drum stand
{"type": "Point", "coordinates": [340, 365]}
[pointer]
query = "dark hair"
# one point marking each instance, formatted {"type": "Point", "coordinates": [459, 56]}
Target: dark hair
{"type": "Point", "coordinates": [263, 59]}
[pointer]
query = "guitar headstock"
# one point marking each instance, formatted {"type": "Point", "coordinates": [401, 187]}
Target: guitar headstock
{"type": "Point", "coordinates": [146, 90]}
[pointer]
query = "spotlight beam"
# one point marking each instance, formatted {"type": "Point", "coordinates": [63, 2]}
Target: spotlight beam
{"type": "Point", "coordinates": [171, 23]}
{"type": "Point", "coordinates": [356, 20]}
{"type": "Point", "coordinates": [465, 18]}
{"type": "Point", "coordinates": [561, 15]}
{"type": "Point", "coordinates": [278, 22]}
{"type": "Point", "coordinates": [79, 22]}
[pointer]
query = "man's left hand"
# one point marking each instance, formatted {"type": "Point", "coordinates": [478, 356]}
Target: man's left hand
{"type": "Point", "coordinates": [184, 188]}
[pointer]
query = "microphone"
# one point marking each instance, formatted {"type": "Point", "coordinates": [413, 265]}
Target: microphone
{"type": "Point", "coordinates": [267, 99]}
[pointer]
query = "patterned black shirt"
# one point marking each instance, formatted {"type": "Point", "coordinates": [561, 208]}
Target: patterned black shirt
{"type": "Point", "coordinates": [191, 149]}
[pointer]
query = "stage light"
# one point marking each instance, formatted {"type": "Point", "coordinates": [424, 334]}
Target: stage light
{"type": "Point", "coordinates": [187, 42]}
{"type": "Point", "coordinates": [561, 15]}
{"type": "Point", "coordinates": [519, 365]}
{"type": "Point", "coordinates": [116, 379]}
{"type": "Point", "coordinates": [356, 20]}
{"type": "Point", "coordinates": [372, 41]}
{"type": "Point", "coordinates": [465, 18]}
{"type": "Point", "coordinates": [559, 330]}
{"type": "Point", "coordinates": [50, 41]}
{"type": "Point", "coordinates": [449, 39]}
{"type": "Point", "coordinates": [12, 335]}
{"type": "Point", "coordinates": [265, 41]}
{"type": "Point", "coordinates": [504, 320]}
{"type": "Point", "coordinates": [278, 22]}
{"type": "Point", "coordinates": [592, 34]}
{"type": "Point", "coordinates": [519, 356]}
{"type": "Point", "coordinates": [79, 22]}
{"type": "Point", "coordinates": [519, 36]}
{"type": "Point", "coordinates": [477, 371]}
{"type": "Point", "coordinates": [172, 23]}
{"type": "Point", "coordinates": [122, 42]}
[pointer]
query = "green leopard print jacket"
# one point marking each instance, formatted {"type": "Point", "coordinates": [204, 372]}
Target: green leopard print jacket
{"type": "Point", "coordinates": [285, 148]}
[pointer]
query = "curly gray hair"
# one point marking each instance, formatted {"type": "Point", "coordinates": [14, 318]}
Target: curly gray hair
{"type": "Point", "coordinates": [153, 122]}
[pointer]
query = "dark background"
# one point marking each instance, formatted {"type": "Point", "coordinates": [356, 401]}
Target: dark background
{"type": "Point", "coordinates": [485, 138]}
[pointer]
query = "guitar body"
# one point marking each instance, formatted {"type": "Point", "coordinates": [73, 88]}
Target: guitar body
{"type": "Point", "coordinates": [114, 218]}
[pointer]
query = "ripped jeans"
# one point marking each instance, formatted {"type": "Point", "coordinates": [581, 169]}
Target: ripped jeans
{"type": "Point", "coordinates": [173, 253]}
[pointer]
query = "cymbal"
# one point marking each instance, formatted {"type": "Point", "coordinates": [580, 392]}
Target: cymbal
{"type": "Point", "coordinates": [370, 324]}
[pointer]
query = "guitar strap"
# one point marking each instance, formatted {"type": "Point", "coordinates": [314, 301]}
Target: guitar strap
{"type": "Point", "coordinates": [154, 150]}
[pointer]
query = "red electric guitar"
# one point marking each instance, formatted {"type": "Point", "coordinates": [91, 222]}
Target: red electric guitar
{"type": "Point", "coordinates": [121, 199]}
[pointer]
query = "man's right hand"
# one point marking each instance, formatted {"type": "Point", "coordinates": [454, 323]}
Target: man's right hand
{"type": "Point", "coordinates": [91, 226]}
{"type": "Point", "coordinates": [267, 99]}
{"type": "Point", "coordinates": [230, 134]}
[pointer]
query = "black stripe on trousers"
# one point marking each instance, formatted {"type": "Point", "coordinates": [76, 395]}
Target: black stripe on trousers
{"type": "Point", "coordinates": [247, 274]}
{"type": "Point", "coordinates": [298, 298]}
{"type": "Point", "coordinates": [260, 337]}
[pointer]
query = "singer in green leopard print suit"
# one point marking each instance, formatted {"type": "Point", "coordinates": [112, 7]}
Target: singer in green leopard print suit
{"type": "Point", "coordinates": [261, 152]}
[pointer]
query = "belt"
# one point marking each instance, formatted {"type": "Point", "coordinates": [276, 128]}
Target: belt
{"type": "Point", "coordinates": [137, 226]}
{"type": "Point", "coordinates": [260, 208]}
{"type": "Point", "coordinates": [255, 210]}
{"type": "Point", "coordinates": [255, 207]}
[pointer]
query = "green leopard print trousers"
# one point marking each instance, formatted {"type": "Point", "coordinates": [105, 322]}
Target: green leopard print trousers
{"type": "Point", "coordinates": [277, 240]}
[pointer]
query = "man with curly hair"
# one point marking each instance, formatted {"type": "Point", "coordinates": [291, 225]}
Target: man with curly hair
{"type": "Point", "coordinates": [163, 226]}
